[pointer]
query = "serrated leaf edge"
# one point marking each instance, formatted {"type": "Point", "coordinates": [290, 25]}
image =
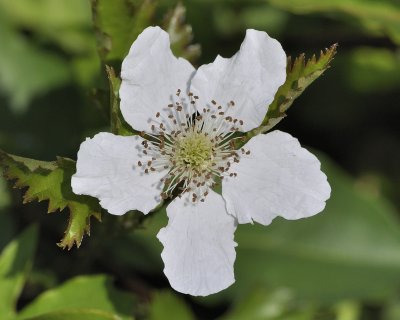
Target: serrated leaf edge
{"type": "Point", "coordinates": [17, 184]}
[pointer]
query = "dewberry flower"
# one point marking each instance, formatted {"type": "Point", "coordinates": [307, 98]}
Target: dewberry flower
{"type": "Point", "coordinates": [189, 122]}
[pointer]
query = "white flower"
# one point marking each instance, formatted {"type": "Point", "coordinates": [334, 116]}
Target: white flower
{"type": "Point", "coordinates": [189, 119]}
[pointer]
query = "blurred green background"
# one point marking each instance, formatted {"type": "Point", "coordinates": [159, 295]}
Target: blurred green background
{"type": "Point", "coordinates": [342, 264]}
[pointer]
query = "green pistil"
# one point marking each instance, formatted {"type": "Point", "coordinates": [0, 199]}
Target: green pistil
{"type": "Point", "coordinates": [194, 151]}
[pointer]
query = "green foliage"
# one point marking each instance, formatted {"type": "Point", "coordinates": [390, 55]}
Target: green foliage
{"type": "Point", "coordinates": [84, 296]}
{"type": "Point", "coordinates": [27, 70]}
{"type": "Point", "coordinates": [165, 303]}
{"type": "Point", "coordinates": [51, 19]}
{"type": "Point", "coordinates": [4, 195]}
{"type": "Point", "coordinates": [379, 17]}
{"type": "Point", "coordinates": [299, 75]}
{"type": "Point", "coordinates": [52, 181]}
{"type": "Point", "coordinates": [118, 23]}
{"type": "Point", "coordinates": [392, 309]}
{"type": "Point", "coordinates": [22, 79]}
{"type": "Point", "coordinates": [373, 70]}
{"type": "Point", "coordinates": [15, 263]}
{"type": "Point", "coordinates": [263, 305]}
{"type": "Point", "coordinates": [81, 314]}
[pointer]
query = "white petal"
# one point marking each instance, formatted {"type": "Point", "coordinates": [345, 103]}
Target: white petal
{"type": "Point", "coordinates": [199, 250]}
{"type": "Point", "coordinates": [278, 178]}
{"type": "Point", "coordinates": [250, 78]}
{"type": "Point", "coordinates": [107, 168]}
{"type": "Point", "coordinates": [151, 75]}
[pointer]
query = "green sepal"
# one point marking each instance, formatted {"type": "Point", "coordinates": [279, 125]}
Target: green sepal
{"type": "Point", "coordinates": [299, 75]}
{"type": "Point", "coordinates": [51, 181]}
{"type": "Point", "coordinates": [181, 34]}
{"type": "Point", "coordinates": [118, 124]}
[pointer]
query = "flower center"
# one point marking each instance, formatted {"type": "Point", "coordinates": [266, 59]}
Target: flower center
{"type": "Point", "coordinates": [195, 146]}
{"type": "Point", "coordinates": [194, 151]}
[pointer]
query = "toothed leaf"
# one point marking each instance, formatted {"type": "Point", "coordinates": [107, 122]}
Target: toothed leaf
{"type": "Point", "coordinates": [51, 181]}
{"type": "Point", "coordinates": [299, 75]}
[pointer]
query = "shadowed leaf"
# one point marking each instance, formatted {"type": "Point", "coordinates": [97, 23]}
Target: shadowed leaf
{"type": "Point", "coordinates": [82, 297]}
{"type": "Point", "coordinates": [81, 314]}
{"type": "Point", "coordinates": [51, 181]}
{"type": "Point", "coordinates": [164, 303]}
{"type": "Point", "coordinates": [377, 17]}
{"type": "Point", "coordinates": [15, 263]}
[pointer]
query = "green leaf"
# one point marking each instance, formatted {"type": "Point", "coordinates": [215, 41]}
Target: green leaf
{"type": "Point", "coordinates": [4, 195]}
{"type": "Point", "coordinates": [52, 181]}
{"type": "Point", "coordinates": [67, 23]}
{"type": "Point", "coordinates": [32, 66]}
{"type": "Point", "coordinates": [21, 68]}
{"type": "Point", "coordinates": [348, 310]}
{"type": "Point", "coordinates": [370, 70]}
{"type": "Point", "coordinates": [181, 34]}
{"type": "Point", "coordinates": [118, 124]}
{"type": "Point", "coordinates": [81, 314]}
{"type": "Point", "coordinates": [15, 263]}
{"type": "Point", "coordinates": [95, 293]}
{"type": "Point", "coordinates": [392, 309]}
{"type": "Point", "coordinates": [263, 305]}
{"type": "Point", "coordinates": [7, 228]}
{"type": "Point", "coordinates": [118, 23]}
{"type": "Point", "coordinates": [299, 75]}
{"type": "Point", "coordinates": [378, 17]}
{"type": "Point", "coordinates": [165, 303]}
